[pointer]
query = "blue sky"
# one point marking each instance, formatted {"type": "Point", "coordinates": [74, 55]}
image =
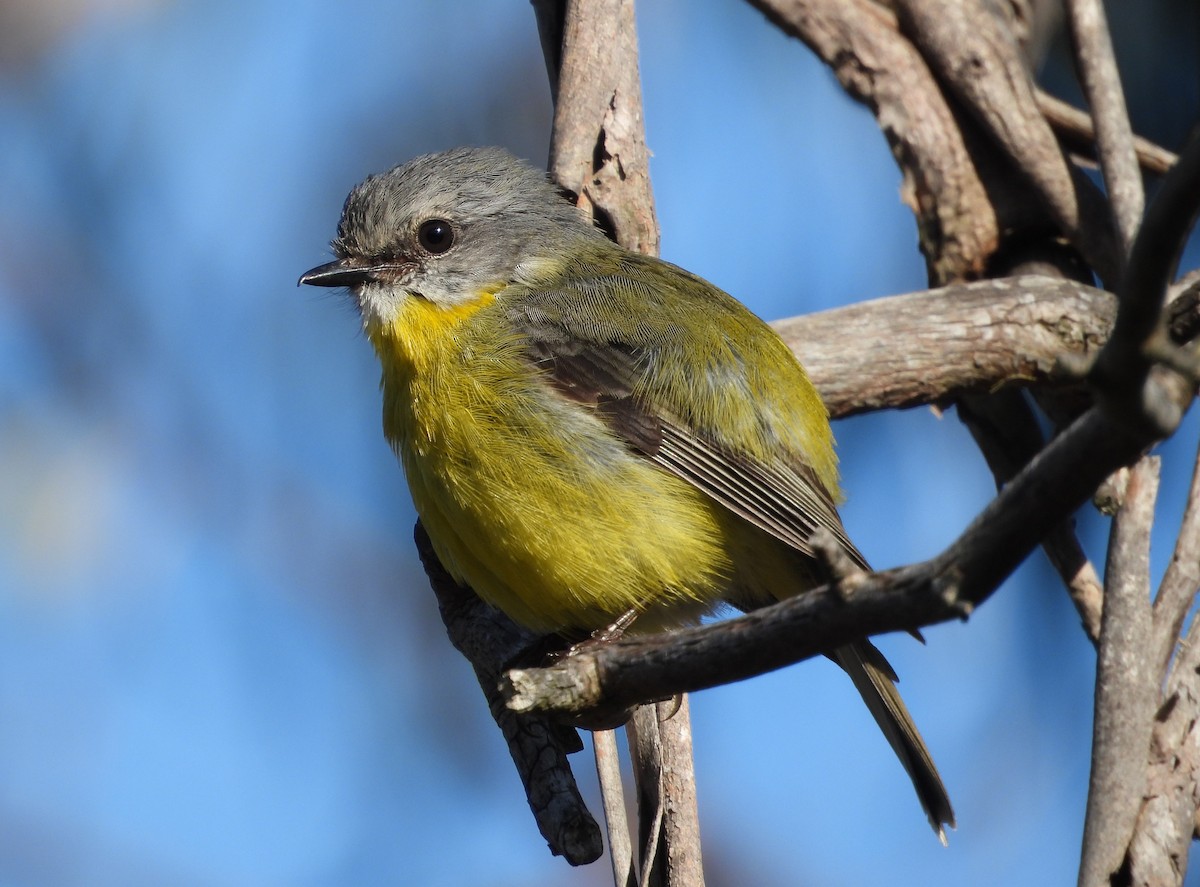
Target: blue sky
{"type": "Point", "coordinates": [219, 661]}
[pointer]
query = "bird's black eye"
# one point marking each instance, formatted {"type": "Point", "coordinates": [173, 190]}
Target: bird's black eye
{"type": "Point", "coordinates": [435, 236]}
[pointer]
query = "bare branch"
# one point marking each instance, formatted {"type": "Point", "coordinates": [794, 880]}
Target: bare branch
{"type": "Point", "coordinates": [964, 338]}
{"type": "Point", "coordinates": [598, 151]}
{"type": "Point", "coordinates": [538, 745]}
{"type": "Point", "coordinates": [660, 736]}
{"type": "Point", "coordinates": [1067, 556]}
{"type": "Point", "coordinates": [598, 146]}
{"type": "Point", "coordinates": [1159, 850]}
{"type": "Point", "coordinates": [612, 795]}
{"type": "Point", "coordinates": [1077, 132]}
{"type": "Point", "coordinates": [1008, 434]}
{"type": "Point", "coordinates": [861, 43]}
{"type": "Point", "coordinates": [960, 339]}
{"type": "Point", "coordinates": [1114, 135]}
{"type": "Point", "coordinates": [1126, 684]}
{"type": "Point", "coordinates": [1158, 853]}
{"type": "Point", "coordinates": [977, 57]}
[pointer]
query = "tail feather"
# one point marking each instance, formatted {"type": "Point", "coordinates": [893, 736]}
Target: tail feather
{"type": "Point", "coordinates": [874, 679]}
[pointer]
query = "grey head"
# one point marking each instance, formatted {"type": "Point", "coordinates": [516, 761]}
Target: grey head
{"type": "Point", "coordinates": [444, 226]}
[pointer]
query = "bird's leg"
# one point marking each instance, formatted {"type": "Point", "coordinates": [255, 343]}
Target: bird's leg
{"type": "Point", "coordinates": [614, 630]}
{"type": "Point", "coordinates": [598, 638]}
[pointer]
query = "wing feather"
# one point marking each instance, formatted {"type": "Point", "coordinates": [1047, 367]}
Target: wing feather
{"type": "Point", "coordinates": [606, 367]}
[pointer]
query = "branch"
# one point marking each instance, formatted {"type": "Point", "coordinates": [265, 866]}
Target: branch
{"type": "Point", "coordinates": [1158, 853]}
{"type": "Point", "coordinates": [978, 59]}
{"type": "Point", "coordinates": [1167, 819]}
{"type": "Point", "coordinates": [934, 346]}
{"type": "Point", "coordinates": [1077, 132]}
{"type": "Point", "coordinates": [860, 41]}
{"type": "Point", "coordinates": [1126, 684]}
{"type": "Point", "coordinates": [1008, 434]}
{"type": "Point", "coordinates": [539, 746]}
{"type": "Point", "coordinates": [612, 796]}
{"type": "Point", "coordinates": [598, 144]}
{"type": "Point", "coordinates": [660, 740]}
{"type": "Point", "coordinates": [1181, 582]}
{"type": "Point", "coordinates": [963, 338]}
{"type": "Point", "coordinates": [960, 339]}
{"type": "Point", "coordinates": [1114, 135]}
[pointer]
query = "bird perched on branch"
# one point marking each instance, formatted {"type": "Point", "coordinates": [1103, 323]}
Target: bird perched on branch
{"type": "Point", "coordinates": [589, 432]}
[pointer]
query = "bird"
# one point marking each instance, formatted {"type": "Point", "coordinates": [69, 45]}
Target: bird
{"type": "Point", "coordinates": [589, 434]}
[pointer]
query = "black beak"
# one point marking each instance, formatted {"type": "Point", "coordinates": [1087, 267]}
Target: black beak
{"type": "Point", "coordinates": [339, 273]}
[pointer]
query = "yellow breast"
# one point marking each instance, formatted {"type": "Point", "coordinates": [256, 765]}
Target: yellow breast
{"type": "Point", "coordinates": [526, 496]}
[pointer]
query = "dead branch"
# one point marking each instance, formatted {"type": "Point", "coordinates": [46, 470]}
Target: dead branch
{"type": "Point", "coordinates": [957, 222]}
{"type": "Point", "coordinates": [1114, 135]}
{"type": "Point", "coordinates": [1157, 852]}
{"type": "Point", "coordinates": [1077, 133]}
{"type": "Point", "coordinates": [964, 338]}
{"type": "Point", "coordinates": [660, 741]}
{"type": "Point", "coordinates": [598, 145]}
{"type": "Point", "coordinates": [1126, 684]}
{"type": "Point", "coordinates": [612, 797]}
{"type": "Point", "coordinates": [539, 746]}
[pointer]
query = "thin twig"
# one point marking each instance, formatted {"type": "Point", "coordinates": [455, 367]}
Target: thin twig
{"type": "Point", "coordinates": [1008, 434]}
{"type": "Point", "coordinates": [612, 798]}
{"type": "Point", "coordinates": [646, 752]}
{"type": "Point", "coordinates": [1076, 129]}
{"type": "Point", "coordinates": [1114, 135]}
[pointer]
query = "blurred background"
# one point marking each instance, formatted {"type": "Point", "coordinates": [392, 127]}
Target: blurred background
{"type": "Point", "coordinates": [220, 663]}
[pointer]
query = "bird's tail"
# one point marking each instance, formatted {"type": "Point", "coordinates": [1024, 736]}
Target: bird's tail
{"type": "Point", "coordinates": [876, 682]}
